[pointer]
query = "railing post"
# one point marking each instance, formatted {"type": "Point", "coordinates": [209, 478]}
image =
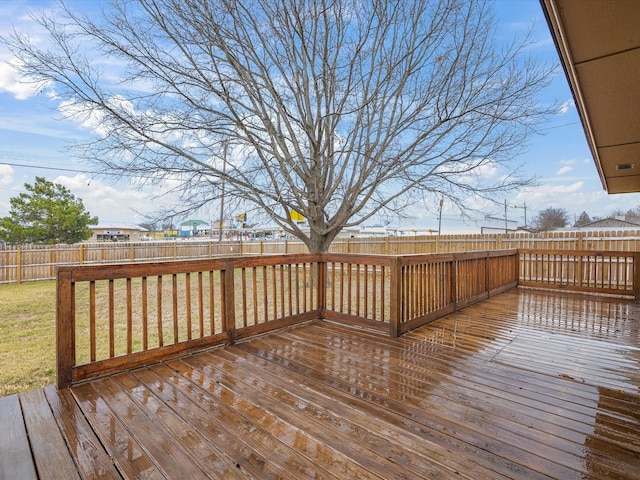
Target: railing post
{"type": "Point", "coordinates": [487, 276]}
{"type": "Point", "coordinates": [321, 283]}
{"type": "Point", "coordinates": [65, 329]}
{"type": "Point", "coordinates": [228, 301]}
{"type": "Point", "coordinates": [453, 283]}
{"type": "Point", "coordinates": [395, 299]}
{"type": "Point", "coordinates": [636, 275]}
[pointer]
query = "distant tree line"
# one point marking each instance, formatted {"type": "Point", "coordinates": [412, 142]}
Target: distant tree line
{"type": "Point", "coordinates": [552, 218]}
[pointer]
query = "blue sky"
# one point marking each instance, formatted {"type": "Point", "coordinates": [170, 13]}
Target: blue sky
{"type": "Point", "coordinates": [33, 135]}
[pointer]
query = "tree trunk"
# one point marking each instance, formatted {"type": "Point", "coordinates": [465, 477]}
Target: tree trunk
{"type": "Point", "coordinates": [319, 243]}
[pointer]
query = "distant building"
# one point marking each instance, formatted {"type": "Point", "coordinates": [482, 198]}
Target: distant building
{"type": "Point", "coordinates": [622, 221]}
{"type": "Point", "coordinates": [194, 228]}
{"type": "Point", "coordinates": [117, 233]}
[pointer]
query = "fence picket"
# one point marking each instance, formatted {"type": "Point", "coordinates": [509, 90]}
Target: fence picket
{"type": "Point", "coordinates": [38, 262]}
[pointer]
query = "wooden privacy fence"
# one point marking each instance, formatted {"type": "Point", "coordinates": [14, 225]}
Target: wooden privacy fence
{"type": "Point", "coordinates": [33, 262]}
{"type": "Point", "coordinates": [116, 317]}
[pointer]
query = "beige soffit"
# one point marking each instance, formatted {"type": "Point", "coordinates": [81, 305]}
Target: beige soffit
{"type": "Point", "coordinates": [599, 46]}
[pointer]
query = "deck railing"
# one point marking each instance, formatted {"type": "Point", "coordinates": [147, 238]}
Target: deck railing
{"type": "Point", "coordinates": [113, 317]}
{"type": "Point", "coordinates": [116, 317]}
{"type": "Point", "coordinates": [605, 272]}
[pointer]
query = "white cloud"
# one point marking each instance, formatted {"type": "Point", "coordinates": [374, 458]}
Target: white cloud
{"type": "Point", "coordinates": [476, 175]}
{"type": "Point", "coordinates": [6, 175]}
{"type": "Point", "coordinates": [564, 108]}
{"type": "Point", "coordinates": [564, 170]}
{"type": "Point", "coordinates": [574, 198]}
{"type": "Point", "coordinates": [551, 191]}
{"type": "Point", "coordinates": [12, 82]}
{"type": "Point", "coordinates": [83, 115]}
{"type": "Point", "coordinates": [108, 203]}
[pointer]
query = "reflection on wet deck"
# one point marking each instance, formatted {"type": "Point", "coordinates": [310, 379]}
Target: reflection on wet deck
{"type": "Point", "coordinates": [524, 385]}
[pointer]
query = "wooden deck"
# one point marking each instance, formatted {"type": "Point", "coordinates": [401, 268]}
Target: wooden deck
{"type": "Point", "coordinates": [524, 385]}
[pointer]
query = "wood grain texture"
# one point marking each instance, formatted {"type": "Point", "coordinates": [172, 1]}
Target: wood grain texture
{"type": "Point", "coordinates": [15, 455]}
{"type": "Point", "coordinates": [525, 385]}
{"type": "Point", "coordinates": [89, 456]}
{"type": "Point", "coordinates": [51, 456]}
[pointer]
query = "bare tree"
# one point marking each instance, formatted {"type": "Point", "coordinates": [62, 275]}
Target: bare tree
{"type": "Point", "coordinates": [583, 219]}
{"type": "Point", "coordinates": [336, 109]}
{"type": "Point", "coordinates": [551, 218]}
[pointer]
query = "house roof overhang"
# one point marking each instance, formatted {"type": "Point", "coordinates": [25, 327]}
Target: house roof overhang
{"type": "Point", "coordinates": [599, 46]}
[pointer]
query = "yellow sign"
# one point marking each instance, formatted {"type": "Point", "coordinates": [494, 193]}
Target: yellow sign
{"type": "Point", "coordinates": [297, 217]}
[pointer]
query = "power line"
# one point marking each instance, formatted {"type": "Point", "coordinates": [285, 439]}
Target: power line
{"type": "Point", "coordinates": [74, 170]}
{"type": "Point", "coordinates": [61, 169]}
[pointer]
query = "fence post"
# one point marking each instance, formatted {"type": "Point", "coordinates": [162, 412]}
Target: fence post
{"type": "Point", "coordinates": [65, 329]}
{"type": "Point", "coordinates": [19, 265]}
{"type": "Point", "coordinates": [54, 258]}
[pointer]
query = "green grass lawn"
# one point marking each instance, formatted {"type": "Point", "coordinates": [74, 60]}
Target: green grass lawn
{"type": "Point", "coordinates": [27, 336]}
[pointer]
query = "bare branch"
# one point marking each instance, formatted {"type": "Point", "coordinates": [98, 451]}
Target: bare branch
{"type": "Point", "coordinates": [334, 109]}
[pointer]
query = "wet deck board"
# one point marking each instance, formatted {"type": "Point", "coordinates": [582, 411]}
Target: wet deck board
{"type": "Point", "coordinates": [524, 385]}
{"type": "Point", "coordinates": [15, 454]}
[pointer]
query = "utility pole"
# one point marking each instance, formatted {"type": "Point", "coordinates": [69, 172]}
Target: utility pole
{"type": "Point", "coordinates": [505, 219]}
{"type": "Point", "coordinates": [525, 213]}
{"type": "Point", "coordinates": [440, 217]}
{"type": "Point", "coordinates": [506, 227]}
